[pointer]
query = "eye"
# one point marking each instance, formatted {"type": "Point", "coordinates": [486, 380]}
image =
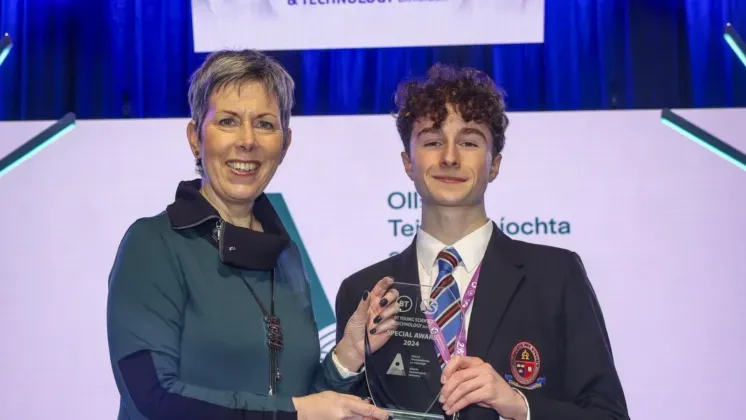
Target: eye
{"type": "Point", "coordinates": [431, 142]}
{"type": "Point", "coordinates": [265, 125]}
{"type": "Point", "coordinates": [228, 122]}
{"type": "Point", "coordinates": [471, 140]}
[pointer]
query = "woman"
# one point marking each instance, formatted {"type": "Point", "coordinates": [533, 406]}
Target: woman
{"type": "Point", "coordinates": [209, 309]}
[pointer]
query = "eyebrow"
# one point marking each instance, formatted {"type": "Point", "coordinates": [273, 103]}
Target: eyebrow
{"type": "Point", "coordinates": [429, 130]}
{"type": "Point", "coordinates": [236, 114]}
{"type": "Point", "coordinates": [465, 130]}
{"type": "Point", "coordinates": [471, 130]}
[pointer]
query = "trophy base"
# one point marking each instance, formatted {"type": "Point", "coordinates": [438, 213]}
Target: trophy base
{"type": "Point", "coordinates": [413, 415]}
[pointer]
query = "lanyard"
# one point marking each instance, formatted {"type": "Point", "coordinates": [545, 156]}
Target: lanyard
{"type": "Point", "coordinates": [466, 301]}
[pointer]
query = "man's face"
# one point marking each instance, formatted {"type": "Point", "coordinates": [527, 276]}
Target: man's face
{"type": "Point", "coordinates": [451, 165]}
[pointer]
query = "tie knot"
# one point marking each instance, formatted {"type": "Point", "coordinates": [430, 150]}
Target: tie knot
{"type": "Point", "coordinates": [448, 259]}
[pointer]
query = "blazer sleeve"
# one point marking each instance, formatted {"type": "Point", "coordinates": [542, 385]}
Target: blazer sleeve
{"type": "Point", "coordinates": [145, 306]}
{"type": "Point", "coordinates": [330, 378]}
{"type": "Point", "coordinates": [593, 388]}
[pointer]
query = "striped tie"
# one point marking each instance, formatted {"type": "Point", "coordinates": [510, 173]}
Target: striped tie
{"type": "Point", "coordinates": [448, 315]}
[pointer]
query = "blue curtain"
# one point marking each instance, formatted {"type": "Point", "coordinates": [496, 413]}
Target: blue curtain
{"type": "Point", "coordinates": [132, 58]}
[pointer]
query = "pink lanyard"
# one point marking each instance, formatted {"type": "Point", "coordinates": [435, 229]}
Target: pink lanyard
{"type": "Point", "coordinates": [440, 341]}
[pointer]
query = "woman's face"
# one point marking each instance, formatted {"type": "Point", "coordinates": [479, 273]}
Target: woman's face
{"type": "Point", "coordinates": [241, 143]}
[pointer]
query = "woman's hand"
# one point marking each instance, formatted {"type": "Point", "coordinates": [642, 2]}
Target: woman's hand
{"type": "Point", "coordinates": [375, 314]}
{"type": "Point", "coordinates": [334, 406]}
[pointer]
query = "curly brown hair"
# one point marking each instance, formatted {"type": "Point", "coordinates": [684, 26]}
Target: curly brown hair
{"type": "Point", "coordinates": [470, 91]}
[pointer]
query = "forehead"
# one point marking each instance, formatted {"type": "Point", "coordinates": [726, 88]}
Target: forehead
{"type": "Point", "coordinates": [247, 96]}
{"type": "Point", "coordinates": [452, 125]}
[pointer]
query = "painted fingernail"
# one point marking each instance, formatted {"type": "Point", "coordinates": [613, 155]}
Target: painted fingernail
{"type": "Point", "coordinates": [377, 319]}
{"type": "Point", "coordinates": [365, 295]}
{"type": "Point", "coordinates": [372, 330]}
{"type": "Point", "coordinates": [383, 302]}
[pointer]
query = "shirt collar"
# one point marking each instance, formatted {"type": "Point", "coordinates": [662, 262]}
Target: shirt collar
{"type": "Point", "coordinates": [471, 247]}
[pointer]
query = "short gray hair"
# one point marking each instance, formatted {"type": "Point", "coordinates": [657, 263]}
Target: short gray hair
{"type": "Point", "coordinates": [227, 67]}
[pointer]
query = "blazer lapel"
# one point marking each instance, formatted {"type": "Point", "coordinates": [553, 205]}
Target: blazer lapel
{"type": "Point", "coordinates": [499, 278]}
{"type": "Point", "coordinates": [405, 266]}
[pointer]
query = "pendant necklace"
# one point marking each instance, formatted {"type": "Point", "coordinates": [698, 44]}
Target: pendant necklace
{"type": "Point", "coordinates": [272, 324]}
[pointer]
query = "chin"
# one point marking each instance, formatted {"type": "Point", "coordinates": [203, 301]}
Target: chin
{"type": "Point", "coordinates": [453, 203]}
{"type": "Point", "coordinates": [241, 193]}
{"type": "Point", "coordinates": [451, 200]}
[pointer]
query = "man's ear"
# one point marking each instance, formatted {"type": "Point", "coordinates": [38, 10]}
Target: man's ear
{"type": "Point", "coordinates": [193, 138]}
{"type": "Point", "coordinates": [407, 165]}
{"type": "Point", "coordinates": [286, 143]}
{"type": "Point", "coordinates": [495, 168]}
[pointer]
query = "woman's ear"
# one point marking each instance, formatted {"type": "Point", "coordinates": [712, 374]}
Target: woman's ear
{"type": "Point", "coordinates": [193, 138]}
{"type": "Point", "coordinates": [288, 138]}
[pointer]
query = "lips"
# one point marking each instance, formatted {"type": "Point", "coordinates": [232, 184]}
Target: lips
{"type": "Point", "coordinates": [244, 166]}
{"type": "Point", "coordinates": [450, 179]}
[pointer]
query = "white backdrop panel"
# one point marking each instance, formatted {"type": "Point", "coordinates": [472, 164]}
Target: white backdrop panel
{"type": "Point", "coordinates": [658, 221]}
{"type": "Point", "coordinates": [331, 24]}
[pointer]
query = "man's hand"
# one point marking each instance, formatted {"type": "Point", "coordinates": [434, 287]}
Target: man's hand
{"type": "Point", "coordinates": [469, 380]}
{"type": "Point", "coordinates": [375, 314]}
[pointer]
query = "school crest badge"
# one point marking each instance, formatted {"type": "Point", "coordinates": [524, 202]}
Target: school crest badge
{"type": "Point", "coordinates": [525, 365]}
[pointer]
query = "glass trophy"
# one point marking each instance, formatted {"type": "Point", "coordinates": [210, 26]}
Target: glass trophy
{"type": "Point", "coordinates": [403, 374]}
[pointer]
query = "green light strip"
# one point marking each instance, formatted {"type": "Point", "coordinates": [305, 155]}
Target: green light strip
{"type": "Point", "coordinates": [704, 139]}
{"type": "Point", "coordinates": [27, 150]}
{"type": "Point", "coordinates": [6, 43]}
{"type": "Point", "coordinates": [735, 42]}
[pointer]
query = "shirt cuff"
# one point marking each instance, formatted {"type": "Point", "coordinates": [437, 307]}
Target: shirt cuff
{"type": "Point", "coordinates": [346, 373]}
{"type": "Point", "coordinates": [528, 408]}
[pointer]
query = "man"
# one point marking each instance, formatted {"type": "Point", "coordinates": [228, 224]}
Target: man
{"type": "Point", "coordinates": [536, 343]}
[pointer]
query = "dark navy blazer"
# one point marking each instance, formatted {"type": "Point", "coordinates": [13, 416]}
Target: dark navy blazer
{"type": "Point", "coordinates": [535, 319]}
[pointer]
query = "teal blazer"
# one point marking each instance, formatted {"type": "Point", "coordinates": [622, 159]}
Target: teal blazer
{"type": "Point", "coordinates": [187, 338]}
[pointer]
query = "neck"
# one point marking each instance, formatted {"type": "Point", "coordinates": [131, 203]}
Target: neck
{"type": "Point", "coordinates": [450, 224]}
{"type": "Point", "coordinates": [237, 214]}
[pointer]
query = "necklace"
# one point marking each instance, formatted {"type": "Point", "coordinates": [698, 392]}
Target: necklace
{"type": "Point", "coordinates": [273, 327]}
{"type": "Point", "coordinates": [272, 324]}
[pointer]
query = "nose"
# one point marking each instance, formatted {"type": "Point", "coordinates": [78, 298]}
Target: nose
{"type": "Point", "coordinates": [450, 156]}
{"type": "Point", "coordinates": [246, 138]}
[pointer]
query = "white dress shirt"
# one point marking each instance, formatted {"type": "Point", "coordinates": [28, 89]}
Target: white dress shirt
{"type": "Point", "coordinates": [471, 249]}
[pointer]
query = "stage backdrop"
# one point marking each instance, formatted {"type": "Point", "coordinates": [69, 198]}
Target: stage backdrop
{"type": "Point", "coordinates": [658, 221]}
{"type": "Point", "coordinates": [332, 24]}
